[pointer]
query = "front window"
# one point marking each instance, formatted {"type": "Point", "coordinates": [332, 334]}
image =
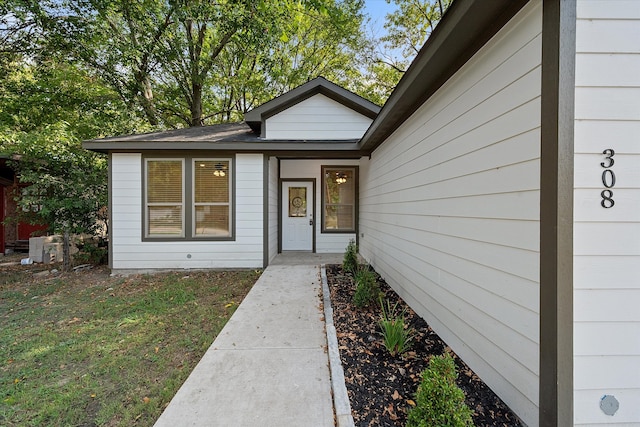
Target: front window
{"type": "Point", "coordinates": [165, 198]}
{"type": "Point", "coordinates": [188, 198]}
{"type": "Point", "coordinates": [211, 195]}
{"type": "Point", "coordinates": [339, 199]}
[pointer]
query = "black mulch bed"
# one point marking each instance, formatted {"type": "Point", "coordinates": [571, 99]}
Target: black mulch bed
{"type": "Point", "coordinates": [381, 388]}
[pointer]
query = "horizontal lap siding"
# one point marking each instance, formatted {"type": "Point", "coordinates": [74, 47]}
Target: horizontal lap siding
{"type": "Point", "coordinates": [126, 204]}
{"type": "Point", "coordinates": [131, 253]}
{"type": "Point", "coordinates": [607, 241]}
{"type": "Point", "coordinates": [449, 212]}
{"type": "Point", "coordinates": [317, 117]}
{"type": "Point", "coordinates": [295, 169]}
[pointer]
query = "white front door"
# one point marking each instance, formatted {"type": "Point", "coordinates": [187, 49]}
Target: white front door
{"type": "Point", "coordinates": [297, 216]}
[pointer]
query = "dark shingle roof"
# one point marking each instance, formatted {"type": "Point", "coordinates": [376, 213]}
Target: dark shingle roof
{"type": "Point", "coordinates": [226, 132]}
{"type": "Point", "coordinates": [236, 137]}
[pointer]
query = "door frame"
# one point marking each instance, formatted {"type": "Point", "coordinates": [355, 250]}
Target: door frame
{"type": "Point", "coordinates": [313, 207]}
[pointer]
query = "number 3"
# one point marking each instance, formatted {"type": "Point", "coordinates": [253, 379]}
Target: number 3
{"type": "Point", "coordinates": [609, 153]}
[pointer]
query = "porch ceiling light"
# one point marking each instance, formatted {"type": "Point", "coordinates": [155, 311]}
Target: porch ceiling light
{"type": "Point", "coordinates": [341, 178]}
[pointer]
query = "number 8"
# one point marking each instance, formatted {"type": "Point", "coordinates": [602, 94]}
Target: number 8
{"type": "Point", "coordinates": [607, 199]}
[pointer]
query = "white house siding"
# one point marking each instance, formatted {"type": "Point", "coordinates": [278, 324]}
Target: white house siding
{"type": "Point", "coordinates": [131, 253]}
{"type": "Point", "coordinates": [317, 117]}
{"type": "Point", "coordinates": [449, 211]}
{"type": "Point", "coordinates": [607, 241]}
{"type": "Point", "coordinates": [273, 207]}
{"type": "Point", "coordinates": [295, 169]}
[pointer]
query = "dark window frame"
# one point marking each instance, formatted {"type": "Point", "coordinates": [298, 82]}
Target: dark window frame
{"type": "Point", "coordinates": [146, 204]}
{"type": "Point", "coordinates": [229, 172]}
{"type": "Point", "coordinates": [188, 196]}
{"type": "Point", "coordinates": [355, 169]}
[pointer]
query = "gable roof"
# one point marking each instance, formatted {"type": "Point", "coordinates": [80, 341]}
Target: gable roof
{"type": "Point", "coordinates": [319, 85]}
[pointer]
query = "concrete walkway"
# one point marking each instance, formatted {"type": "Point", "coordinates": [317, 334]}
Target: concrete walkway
{"type": "Point", "coordinates": [269, 365]}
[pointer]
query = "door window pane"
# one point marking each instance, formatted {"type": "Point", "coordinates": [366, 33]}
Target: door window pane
{"type": "Point", "coordinates": [297, 201]}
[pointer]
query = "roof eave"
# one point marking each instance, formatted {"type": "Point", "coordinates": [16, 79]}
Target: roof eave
{"type": "Point", "coordinates": [463, 31]}
{"type": "Point", "coordinates": [317, 148]}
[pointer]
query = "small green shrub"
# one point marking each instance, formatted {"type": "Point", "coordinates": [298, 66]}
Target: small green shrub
{"type": "Point", "coordinates": [367, 289]}
{"type": "Point", "coordinates": [92, 252]}
{"type": "Point", "coordinates": [439, 401]}
{"type": "Point", "coordinates": [397, 337]}
{"type": "Point", "coordinates": [350, 260]}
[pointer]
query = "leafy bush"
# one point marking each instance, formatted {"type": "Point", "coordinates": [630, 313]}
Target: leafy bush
{"type": "Point", "coordinates": [397, 337]}
{"type": "Point", "coordinates": [350, 260]}
{"type": "Point", "coordinates": [367, 289]}
{"type": "Point", "coordinates": [92, 252]}
{"type": "Point", "coordinates": [439, 401]}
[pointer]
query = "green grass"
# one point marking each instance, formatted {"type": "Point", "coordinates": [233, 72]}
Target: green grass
{"type": "Point", "coordinates": [88, 349]}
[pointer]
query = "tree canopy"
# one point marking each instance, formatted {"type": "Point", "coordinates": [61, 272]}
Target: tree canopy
{"type": "Point", "coordinates": [72, 70]}
{"type": "Point", "coordinates": [46, 110]}
{"type": "Point", "coordinates": [388, 57]}
{"type": "Point", "coordinates": [183, 63]}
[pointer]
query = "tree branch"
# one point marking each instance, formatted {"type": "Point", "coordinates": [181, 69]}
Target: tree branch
{"type": "Point", "coordinates": [390, 64]}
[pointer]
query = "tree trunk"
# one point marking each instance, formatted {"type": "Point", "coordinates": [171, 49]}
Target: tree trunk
{"type": "Point", "coordinates": [146, 98]}
{"type": "Point", "coordinates": [196, 105]}
{"type": "Point", "coordinates": [66, 253]}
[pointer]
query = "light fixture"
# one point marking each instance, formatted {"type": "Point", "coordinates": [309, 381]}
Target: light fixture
{"type": "Point", "coordinates": [219, 170]}
{"type": "Point", "coordinates": [341, 178]}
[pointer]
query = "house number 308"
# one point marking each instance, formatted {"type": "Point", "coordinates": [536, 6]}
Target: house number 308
{"type": "Point", "coordinates": [608, 179]}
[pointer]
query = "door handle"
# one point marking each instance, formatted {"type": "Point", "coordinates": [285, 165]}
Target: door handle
{"type": "Point", "coordinates": [311, 221]}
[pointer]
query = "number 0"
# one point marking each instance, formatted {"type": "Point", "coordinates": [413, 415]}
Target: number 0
{"type": "Point", "coordinates": [608, 178]}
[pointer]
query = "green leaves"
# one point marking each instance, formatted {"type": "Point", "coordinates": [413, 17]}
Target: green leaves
{"type": "Point", "coordinates": [408, 28]}
{"type": "Point", "coordinates": [439, 401]}
{"type": "Point", "coordinates": [183, 63]}
{"type": "Point", "coordinates": [350, 260]}
{"type": "Point", "coordinates": [66, 184]}
{"type": "Point", "coordinates": [367, 288]}
{"type": "Point", "coordinates": [46, 109]}
{"type": "Point", "coordinates": [411, 24]}
{"type": "Point", "coordinates": [395, 333]}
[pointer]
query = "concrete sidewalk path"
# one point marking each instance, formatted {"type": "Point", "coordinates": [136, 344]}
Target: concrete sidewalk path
{"type": "Point", "coordinates": [269, 365]}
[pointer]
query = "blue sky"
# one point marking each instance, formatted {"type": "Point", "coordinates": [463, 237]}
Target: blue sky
{"type": "Point", "coordinates": [377, 9]}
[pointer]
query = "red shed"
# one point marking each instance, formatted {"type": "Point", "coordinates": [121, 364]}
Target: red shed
{"type": "Point", "coordinates": [13, 235]}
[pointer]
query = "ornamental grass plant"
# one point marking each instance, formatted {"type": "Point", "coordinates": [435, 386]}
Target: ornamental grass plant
{"type": "Point", "coordinates": [396, 335]}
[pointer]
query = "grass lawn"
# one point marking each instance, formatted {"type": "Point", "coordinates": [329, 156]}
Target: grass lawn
{"type": "Point", "coordinates": [85, 349]}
